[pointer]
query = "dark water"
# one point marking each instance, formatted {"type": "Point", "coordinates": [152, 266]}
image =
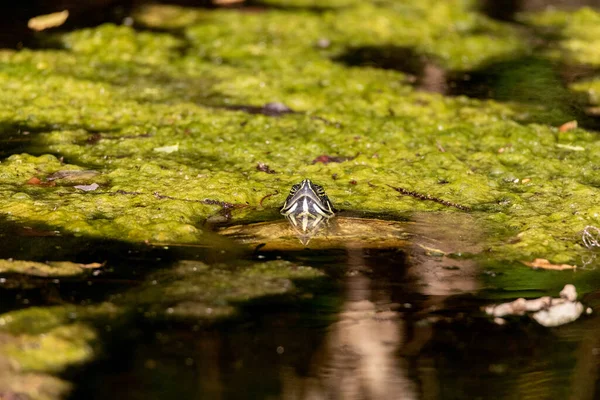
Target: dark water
{"type": "Point", "coordinates": [374, 332]}
{"type": "Point", "coordinates": [392, 323]}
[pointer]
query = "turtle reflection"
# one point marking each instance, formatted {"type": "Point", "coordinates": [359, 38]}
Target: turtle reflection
{"type": "Point", "coordinates": [308, 209]}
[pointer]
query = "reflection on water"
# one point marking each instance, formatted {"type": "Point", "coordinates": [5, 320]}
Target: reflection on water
{"type": "Point", "coordinates": [358, 357]}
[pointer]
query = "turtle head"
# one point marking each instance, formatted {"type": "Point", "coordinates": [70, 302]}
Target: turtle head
{"type": "Point", "coordinates": [307, 206]}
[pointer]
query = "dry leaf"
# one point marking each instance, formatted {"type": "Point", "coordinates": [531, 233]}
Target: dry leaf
{"type": "Point", "coordinates": [545, 264]}
{"type": "Point", "coordinates": [87, 188]}
{"type": "Point", "coordinates": [567, 126]}
{"type": "Point", "coordinates": [37, 182]}
{"type": "Point", "coordinates": [47, 21]}
{"type": "Point", "coordinates": [92, 265]}
{"type": "Point", "coordinates": [33, 181]}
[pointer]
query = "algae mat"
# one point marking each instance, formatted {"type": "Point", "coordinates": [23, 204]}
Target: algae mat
{"type": "Point", "coordinates": [170, 112]}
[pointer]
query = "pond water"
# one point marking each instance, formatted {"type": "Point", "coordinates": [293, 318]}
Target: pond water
{"type": "Point", "coordinates": [380, 323]}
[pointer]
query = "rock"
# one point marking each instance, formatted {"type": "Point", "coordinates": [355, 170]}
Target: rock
{"type": "Point", "coordinates": [559, 314]}
{"type": "Point", "coordinates": [546, 311]}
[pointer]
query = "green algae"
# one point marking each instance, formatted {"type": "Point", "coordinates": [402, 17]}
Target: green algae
{"type": "Point", "coordinates": [195, 290]}
{"type": "Point", "coordinates": [51, 352]}
{"type": "Point", "coordinates": [37, 343]}
{"type": "Point", "coordinates": [61, 268]}
{"type": "Point", "coordinates": [114, 94]}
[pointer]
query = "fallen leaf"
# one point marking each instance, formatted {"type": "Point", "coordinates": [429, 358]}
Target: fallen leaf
{"type": "Point", "coordinates": [33, 181]}
{"type": "Point", "coordinates": [37, 182]}
{"type": "Point", "coordinates": [167, 149]}
{"type": "Point", "coordinates": [92, 265]}
{"type": "Point", "coordinates": [47, 21]}
{"type": "Point", "coordinates": [545, 264]}
{"type": "Point", "coordinates": [567, 126]}
{"type": "Point", "coordinates": [87, 188]}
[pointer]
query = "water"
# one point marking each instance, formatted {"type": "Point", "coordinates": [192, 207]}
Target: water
{"type": "Point", "coordinates": [383, 323]}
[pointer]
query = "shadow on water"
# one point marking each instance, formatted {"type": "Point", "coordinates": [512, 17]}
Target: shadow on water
{"type": "Point", "coordinates": [237, 358]}
{"type": "Point", "coordinates": [278, 349]}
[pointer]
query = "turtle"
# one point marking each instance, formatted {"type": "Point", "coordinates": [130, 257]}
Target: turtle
{"type": "Point", "coordinates": [310, 216]}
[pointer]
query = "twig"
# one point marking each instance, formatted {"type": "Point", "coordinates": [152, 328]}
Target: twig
{"type": "Point", "coordinates": [266, 197]}
{"type": "Point", "coordinates": [421, 196]}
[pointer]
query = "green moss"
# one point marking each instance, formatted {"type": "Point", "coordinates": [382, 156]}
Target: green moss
{"type": "Point", "coordinates": [39, 342]}
{"type": "Point", "coordinates": [28, 360]}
